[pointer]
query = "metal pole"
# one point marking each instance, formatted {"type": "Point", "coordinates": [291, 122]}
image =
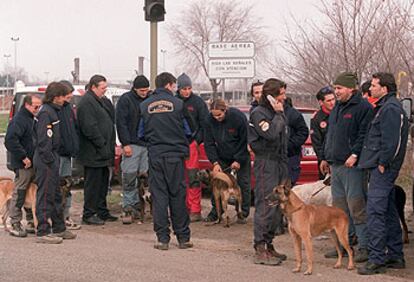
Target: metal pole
{"type": "Point", "coordinates": [140, 65]}
{"type": "Point", "coordinates": [7, 57]}
{"type": "Point", "coordinates": [223, 90]}
{"type": "Point", "coordinates": [153, 52]}
{"type": "Point", "coordinates": [15, 39]}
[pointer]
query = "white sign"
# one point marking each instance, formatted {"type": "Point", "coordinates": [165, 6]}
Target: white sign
{"type": "Point", "coordinates": [242, 49]}
{"type": "Point", "coordinates": [231, 68]}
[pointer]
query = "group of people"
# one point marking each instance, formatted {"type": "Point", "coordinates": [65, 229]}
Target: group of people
{"type": "Point", "coordinates": [360, 138]}
{"type": "Point", "coordinates": [42, 139]}
{"type": "Point", "coordinates": [160, 131]}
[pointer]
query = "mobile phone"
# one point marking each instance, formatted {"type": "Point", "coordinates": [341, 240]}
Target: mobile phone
{"type": "Point", "coordinates": [271, 99]}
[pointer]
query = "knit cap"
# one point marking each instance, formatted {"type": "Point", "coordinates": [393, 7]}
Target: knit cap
{"type": "Point", "coordinates": [183, 81]}
{"type": "Point", "coordinates": [347, 79]}
{"type": "Point", "coordinates": [140, 82]}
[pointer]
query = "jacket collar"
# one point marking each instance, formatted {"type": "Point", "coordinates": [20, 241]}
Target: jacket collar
{"type": "Point", "coordinates": [182, 98]}
{"type": "Point", "coordinates": [136, 96]}
{"type": "Point", "coordinates": [26, 112]}
{"type": "Point", "coordinates": [163, 91]}
{"type": "Point", "coordinates": [385, 98]}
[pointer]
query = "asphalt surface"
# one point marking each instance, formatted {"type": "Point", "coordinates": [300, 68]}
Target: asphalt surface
{"type": "Point", "coordinates": [117, 252]}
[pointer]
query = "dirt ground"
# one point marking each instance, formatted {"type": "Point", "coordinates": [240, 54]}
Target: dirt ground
{"type": "Point", "coordinates": [235, 240]}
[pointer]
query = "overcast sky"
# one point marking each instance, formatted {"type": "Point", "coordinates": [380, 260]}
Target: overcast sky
{"type": "Point", "coordinates": [108, 35]}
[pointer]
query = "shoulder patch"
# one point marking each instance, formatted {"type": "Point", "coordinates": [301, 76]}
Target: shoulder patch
{"type": "Point", "coordinates": [162, 106]}
{"type": "Point", "coordinates": [264, 125]}
{"type": "Point", "coordinates": [49, 133]}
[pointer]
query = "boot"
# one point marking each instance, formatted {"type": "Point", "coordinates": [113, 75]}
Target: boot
{"type": "Point", "coordinates": [361, 255]}
{"type": "Point", "coordinates": [271, 250]}
{"type": "Point", "coordinates": [127, 216]}
{"type": "Point", "coordinates": [262, 256]}
{"type": "Point", "coordinates": [49, 239]}
{"type": "Point", "coordinates": [17, 230]}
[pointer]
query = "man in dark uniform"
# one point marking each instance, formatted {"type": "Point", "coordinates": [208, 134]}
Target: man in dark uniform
{"type": "Point", "coordinates": [256, 92]}
{"type": "Point", "coordinates": [69, 148]}
{"type": "Point", "coordinates": [268, 129]}
{"type": "Point", "coordinates": [19, 143]}
{"type": "Point", "coordinates": [96, 149]}
{"type": "Point", "coordinates": [46, 164]}
{"type": "Point", "coordinates": [319, 122]}
{"type": "Point", "coordinates": [348, 124]}
{"type": "Point", "coordinates": [225, 142]}
{"type": "Point", "coordinates": [165, 129]}
{"type": "Point", "coordinates": [198, 112]}
{"type": "Point", "coordinates": [298, 133]}
{"type": "Point", "coordinates": [383, 153]}
{"type": "Point", "coordinates": [135, 153]}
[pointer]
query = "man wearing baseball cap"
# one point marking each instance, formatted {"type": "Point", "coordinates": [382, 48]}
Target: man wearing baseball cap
{"type": "Point", "coordinates": [348, 124]}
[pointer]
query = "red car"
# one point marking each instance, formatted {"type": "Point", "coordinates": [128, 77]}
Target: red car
{"type": "Point", "coordinates": [308, 164]}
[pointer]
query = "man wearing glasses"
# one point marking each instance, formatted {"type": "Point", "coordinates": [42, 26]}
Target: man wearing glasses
{"type": "Point", "coordinates": [19, 143]}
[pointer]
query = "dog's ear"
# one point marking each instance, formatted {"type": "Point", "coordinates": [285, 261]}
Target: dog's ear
{"type": "Point", "coordinates": [287, 183]}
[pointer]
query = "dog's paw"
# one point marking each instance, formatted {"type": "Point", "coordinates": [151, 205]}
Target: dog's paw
{"type": "Point", "coordinates": [308, 272]}
{"type": "Point", "coordinates": [226, 225]}
{"type": "Point", "coordinates": [351, 267]}
{"type": "Point", "coordinates": [296, 270]}
{"type": "Point", "coordinates": [337, 265]}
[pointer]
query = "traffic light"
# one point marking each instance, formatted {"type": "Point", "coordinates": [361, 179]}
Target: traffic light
{"type": "Point", "coordinates": [154, 10]}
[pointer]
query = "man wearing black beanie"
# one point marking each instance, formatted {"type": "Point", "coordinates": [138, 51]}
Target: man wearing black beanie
{"type": "Point", "coordinates": [197, 110]}
{"type": "Point", "coordinates": [135, 155]}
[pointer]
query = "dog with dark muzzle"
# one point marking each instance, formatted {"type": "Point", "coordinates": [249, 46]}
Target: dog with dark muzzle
{"type": "Point", "coordinates": [224, 186]}
{"type": "Point", "coordinates": [307, 221]}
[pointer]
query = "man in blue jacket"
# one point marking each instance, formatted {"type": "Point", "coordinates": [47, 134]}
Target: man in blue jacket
{"type": "Point", "coordinates": [165, 129]}
{"type": "Point", "coordinates": [135, 154]}
{"type": "Point", "coordinates": [383, 154]}
{"type": "Point", "coordinates": [69, 148]}
{"type": "Point", "coordinates": [348, 124]}
{"type": "Point", "coordinates": [225, 142]}
{"type": "Point", "coordinates": [19, 143]}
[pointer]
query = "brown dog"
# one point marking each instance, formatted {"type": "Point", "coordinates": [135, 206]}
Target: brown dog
{"type": "Point", "coordinates": [224, 186]}
{"type": "Point", "coordinates": [307, 221]}
{"type": "Point", "coordinates": [6, 191]}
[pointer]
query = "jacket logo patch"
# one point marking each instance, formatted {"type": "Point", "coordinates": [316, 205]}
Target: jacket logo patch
{"type": "Point", "coordinates": [232, 130]}
{"type": "Point", "coordinates": [49, 133]}
{"type": "Point", "coordinates": [160, 107]}
{"type": "Point", "coordinates": [323, 124]}
{"type": "Point", "coordinates": [264, 125]}
{"type": "Point", "coordinates": [349, 115]}
{"type": "Point", "coordinates": [190, 108]}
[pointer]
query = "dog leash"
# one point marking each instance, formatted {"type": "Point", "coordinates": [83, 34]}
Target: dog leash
{"type": "Point", "coordinates": [317, 192]}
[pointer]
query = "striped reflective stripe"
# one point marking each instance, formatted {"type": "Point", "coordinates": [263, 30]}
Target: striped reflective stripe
{"type": "Point", "coordinates": [399, 136]}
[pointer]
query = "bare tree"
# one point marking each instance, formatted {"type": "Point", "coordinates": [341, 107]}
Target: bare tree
{"type": "Point", "coordinates": [363, 36]}
{"type": "Point", "coordinates": [213, 21]}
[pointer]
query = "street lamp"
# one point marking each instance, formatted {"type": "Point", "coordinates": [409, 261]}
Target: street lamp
{"type": "Point", "coordinates": [15, 39]}
{"type": "Point", "coordinates": [7, 57]}
{"type": "Point", "coordinates": [163, 51]}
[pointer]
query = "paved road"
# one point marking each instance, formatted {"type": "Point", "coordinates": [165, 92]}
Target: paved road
{"type": "Point", "coordinates": [125, 253]}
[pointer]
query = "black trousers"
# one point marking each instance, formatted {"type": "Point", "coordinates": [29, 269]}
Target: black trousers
{"type": "Point", "coordinates": [95, 191]}
{"type": "Point", "coordinates": [48, 197]}
{"type": "Point", "coordinates": [267, 219]}
{"type": "Point", "coordinates": [168, 191]}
